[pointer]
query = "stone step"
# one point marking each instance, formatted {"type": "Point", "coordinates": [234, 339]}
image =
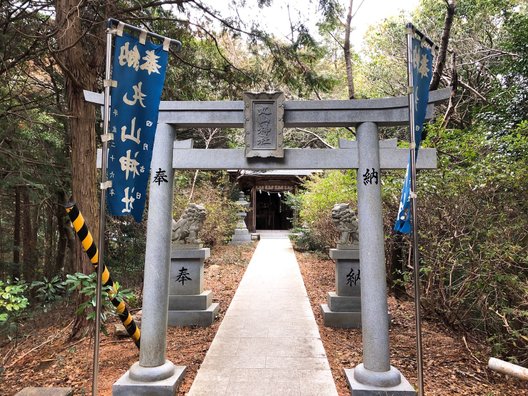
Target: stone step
{"type": "Point", "coordinates": [33, 391]}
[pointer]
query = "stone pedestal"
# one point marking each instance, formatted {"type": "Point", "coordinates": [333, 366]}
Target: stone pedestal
{"type": "Point", "coordinates": [343, 308]}
{"type": "Point", "coordinates": [189, 303]}
{"type": "Point", "coordinates": [404, 388]}
{"type": "Point", "coordinates": [149, 381]}
{"type": "Point", "coordinates": [241, 235]}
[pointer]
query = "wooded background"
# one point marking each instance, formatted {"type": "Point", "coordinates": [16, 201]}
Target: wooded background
{"type": "Point", "coordinates": [473, 210]}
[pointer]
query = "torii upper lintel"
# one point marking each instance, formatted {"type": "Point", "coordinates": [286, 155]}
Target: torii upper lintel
{"type": "Point", "coordinates": [392, 111]}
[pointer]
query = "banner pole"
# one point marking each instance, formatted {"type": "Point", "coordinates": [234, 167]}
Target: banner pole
{"type": "Point", "coordinates": [414, 222]}
{"type": "Point", "coordinates": [102, 208]}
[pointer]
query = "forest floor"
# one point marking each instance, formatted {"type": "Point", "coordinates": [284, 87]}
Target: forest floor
{"type": "Point", "coordinates": [43, 355]}
{"type": "Point", "coordinates": [453, 363]}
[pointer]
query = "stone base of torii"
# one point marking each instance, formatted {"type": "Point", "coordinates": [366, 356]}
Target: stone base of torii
{"type": "Point", "coordinates": [153, 374]}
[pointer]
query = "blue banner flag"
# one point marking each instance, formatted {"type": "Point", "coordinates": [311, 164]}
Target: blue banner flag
{"type": "Point", "coordinates": [139, 72]}
{"type": "Point", "coordinates": [422, 72]}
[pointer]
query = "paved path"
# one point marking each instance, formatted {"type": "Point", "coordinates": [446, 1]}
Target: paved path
{"type": "Point", "coordinates": [268, 342]}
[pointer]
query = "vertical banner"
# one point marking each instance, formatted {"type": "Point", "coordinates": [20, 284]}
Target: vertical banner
{"type": "Point", "coordinates": [422, 72]}
{"type": "Point", "coordinates": [138, 73]}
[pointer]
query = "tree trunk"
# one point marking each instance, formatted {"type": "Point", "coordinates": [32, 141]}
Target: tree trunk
{"type": "Point", "coordinates": [49, 242]}
{"type": "Point", "coordinates": [346, 49]}
{"type": "Point", "coordinates": [62, 229]}
{"type": "Point", "coordinates": [397, 266]}
{"type": "Point", "coordinates": [15, 270]}
{"type": "Point", "coordinates": [29, 243]}
{"type": "Point", "coordinates": [442, 53]}
{"type": "Point", "coordinates": [80, 60]}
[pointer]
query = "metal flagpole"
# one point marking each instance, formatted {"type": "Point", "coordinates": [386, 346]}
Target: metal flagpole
{"type": "Point", "coordinates": [414, 222]}
{"type": "Point", "coordinates": [102, 213]}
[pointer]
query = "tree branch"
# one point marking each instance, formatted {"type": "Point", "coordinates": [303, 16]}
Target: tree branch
{"type": "Point", "coordinates": [346, 49]}
{"type": "Point", "coordinates": [469, 88]}
{"type": "Point", "coordinates": [442, 53]}
{"type": "Point", "coordinates": [315, 135]}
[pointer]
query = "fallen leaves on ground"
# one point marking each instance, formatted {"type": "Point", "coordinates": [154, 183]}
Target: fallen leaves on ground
{"type": "Point", "coordinates": [450, 367]}
{"type": "Point", "coordinates": [44, 357]}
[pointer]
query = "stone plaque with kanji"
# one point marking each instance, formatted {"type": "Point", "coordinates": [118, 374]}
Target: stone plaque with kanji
{"type": "Point", "coordinates": [263, 124]}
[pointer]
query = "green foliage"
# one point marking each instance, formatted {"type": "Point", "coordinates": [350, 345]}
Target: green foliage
{"type": "Point", "coordinates": [48, 290]}
{"type": "Point", "coordinates": [125, 254]}
{"type": "Point", "coordinates": [215, 192]}
{"type": "Point", "coordinates": [314, 204]}
{"type": "Point", "coordinates": [86, 285]}
{"type": "Point", "coordinates": [319, 237]}
{"type": "Point", "coordinates": [294, 201]}
{"type": "Point", "coordinates": [322, 192]}
{"type": "Point", "coordinates": [473, 236]}
{"type": "Point", "coordinates": [508, 106]}
{"type": "Point", "coordinates": [13, 303]}
{"type": "Point", "coordinates": [383, 73]}
{"type": "Point", "coordinates": [293, 66]}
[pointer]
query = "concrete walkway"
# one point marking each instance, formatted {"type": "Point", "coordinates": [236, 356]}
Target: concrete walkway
{"type": "Point", "coordinates": [268, 342]}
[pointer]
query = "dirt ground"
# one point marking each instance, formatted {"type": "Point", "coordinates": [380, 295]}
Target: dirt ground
{"type": "Point", "coordinates": [43, 356]}
{"type": "Point", "coordinates": [453, 364]}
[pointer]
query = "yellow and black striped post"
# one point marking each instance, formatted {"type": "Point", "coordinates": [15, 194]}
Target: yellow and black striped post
{"type": "Point", "coordinates": [90, 248]}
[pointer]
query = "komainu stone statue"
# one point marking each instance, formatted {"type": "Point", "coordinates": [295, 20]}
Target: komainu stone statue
{"type": "Point", "coordinates": [185, 230]}
{"type": "Point", "coordinates": [345, 221]}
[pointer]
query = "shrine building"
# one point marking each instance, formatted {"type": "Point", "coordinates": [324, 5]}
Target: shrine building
{"type": "Point", "coordinates": [266, 190]}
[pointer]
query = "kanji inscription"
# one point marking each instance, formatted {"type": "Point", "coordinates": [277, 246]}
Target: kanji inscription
{"type": "Point", "coordinates": [264, 121]}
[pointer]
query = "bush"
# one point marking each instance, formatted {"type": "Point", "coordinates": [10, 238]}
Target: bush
{"type": "Point", "coordinates": [48, 290]}
{"type": "Point", "coordinates": [13, 302]}
{"type": "Point", "coordinates": [125, 253]}
{"type": "Point", "coordinates": [320, 236]}
{"type": "Point", "coordinates": [473, 242]}
{"type": "Point", "coordinates": [322, 192]}
{"type": "Point", "coordinates": [315, 203]}
{"type": "Point", "coordinates": [87, 286]}
{"type": "Point", "coordinates": [221, 216]}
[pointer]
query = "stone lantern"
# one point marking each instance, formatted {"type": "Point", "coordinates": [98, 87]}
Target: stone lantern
{"type": "Point", "coordinates": [241, 235]}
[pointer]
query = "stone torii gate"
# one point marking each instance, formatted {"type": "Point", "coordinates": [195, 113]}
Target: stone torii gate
{"type": "Point", "coordinates": [153, 374]}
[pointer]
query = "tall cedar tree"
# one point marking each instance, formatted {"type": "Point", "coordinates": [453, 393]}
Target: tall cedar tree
{"type": "Point", "coordinates": [80, 56]}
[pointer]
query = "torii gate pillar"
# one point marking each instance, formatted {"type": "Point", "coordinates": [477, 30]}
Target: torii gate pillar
{"type": "Point", "coordinates": [153, 374]}
{"type": "Point", "coordinates": [375, 374]}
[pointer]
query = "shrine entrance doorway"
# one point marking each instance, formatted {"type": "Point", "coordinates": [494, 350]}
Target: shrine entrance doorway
{"type": "Point", "coordinates": [267, 190]}
{"type": "Point", "coordinates": [272, 213]}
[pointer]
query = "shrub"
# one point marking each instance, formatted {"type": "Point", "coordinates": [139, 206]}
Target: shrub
{"type": "Point", "coordinates": [126, 244]}
{"type": "Point", "coordinates": [322, 192]}
{"type": "Point", "coordinates": [48, 290]}
{"type": "Point", "coordinates": [13, 302]}
{"type": "Point", "coordinates": [473, 242]}
{"type": "Point", "coordinates": [87, 286]}
{"type": "Point", "coordinates": [315, 203]}
{"type": "Point", "coordinates": [320, 236]}
{"type": "Point", "coordinates": [221, 217]}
